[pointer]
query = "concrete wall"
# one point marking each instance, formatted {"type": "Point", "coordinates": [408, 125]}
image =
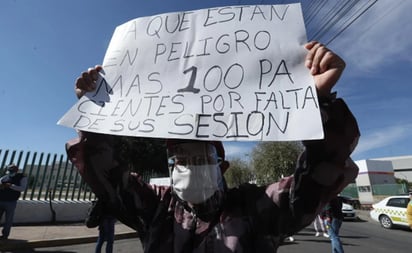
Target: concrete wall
{"type": "Point", "coordinates": [39, 211]}
{"type": "Point", "coordinates": [402, 165]}
{"type": "Point", "coordinates": [373, 172]}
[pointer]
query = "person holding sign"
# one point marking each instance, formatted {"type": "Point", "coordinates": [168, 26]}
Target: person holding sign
{"type": "Point", "coordinates": [197, 212]}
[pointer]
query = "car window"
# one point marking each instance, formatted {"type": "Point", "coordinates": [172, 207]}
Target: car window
{"type": "Point", "coordinates": [398, 202]}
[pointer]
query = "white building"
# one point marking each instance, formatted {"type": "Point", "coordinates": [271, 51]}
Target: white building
{"type": "Point", "coordinates": [381, 172]}
{"type": "Point", "coordinates": [402, 166]}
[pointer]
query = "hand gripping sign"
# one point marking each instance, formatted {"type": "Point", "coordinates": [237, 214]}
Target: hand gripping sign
{"type": "Point", "coordinates": [225, 73]}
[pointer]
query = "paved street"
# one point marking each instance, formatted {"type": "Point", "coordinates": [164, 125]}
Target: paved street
{"type": "Point", "coordinates": [357, 237]}
{"type": "Point", "coordinates": [362, 236]}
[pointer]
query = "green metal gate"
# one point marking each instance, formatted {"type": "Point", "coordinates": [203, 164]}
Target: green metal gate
{"type": "Point", "coordinates": [50, 176]}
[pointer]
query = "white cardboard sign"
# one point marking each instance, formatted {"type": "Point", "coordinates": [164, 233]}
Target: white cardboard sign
{"type": "Point", "coordinates": [225, 73]}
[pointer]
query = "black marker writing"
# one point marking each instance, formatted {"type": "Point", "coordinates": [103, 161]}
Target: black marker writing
{"type": "Point", "coordinates": [171, 23]}
{"type": "Point", "coordinates": [266, 69]}
{"type": "Point", "coordinates": [189, 87]}
{"type": "Point", "coordinates": [216, 16]}
{"type": "Point", "coordinates": [234, 42]}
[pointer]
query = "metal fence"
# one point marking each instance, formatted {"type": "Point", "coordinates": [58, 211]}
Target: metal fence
{"type": "Point", "coordinates": [351, 190]}
{"type": "Point", "coordinates": [54, 177]}
{"type": "Point", "coordinates": [390, 189]}
{"type": "Point", "coordinates": [50, 176]}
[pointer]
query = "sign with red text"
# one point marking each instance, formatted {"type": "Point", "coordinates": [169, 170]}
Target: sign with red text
{"type": "Point", "coordinates": [224, 73]}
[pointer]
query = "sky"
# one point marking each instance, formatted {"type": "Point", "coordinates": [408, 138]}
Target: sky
{"type": "Point", "coordinates": [46, 44]}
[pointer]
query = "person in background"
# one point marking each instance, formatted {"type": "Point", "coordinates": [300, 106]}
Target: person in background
{"type": "Point", "coordinates": [333, 221]}
{"type": "Point", "coordinates": [319, 225]}
{"type": "Point", "coordinates": [106, 233]}
{"type": "Point", "coordinates": [11, 185]}
{"type": "Point", "coordinates": [100, 216]}
{"type": "Point", "coordinates": [197, 212]}
{"type": "Point", "coordinates": [409, 210]}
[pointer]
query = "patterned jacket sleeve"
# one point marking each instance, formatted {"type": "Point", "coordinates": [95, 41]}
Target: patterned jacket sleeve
{"type": "Point", "coordinates": [324, 169]}
{"type": "Point", "coordinates": [132, 201]}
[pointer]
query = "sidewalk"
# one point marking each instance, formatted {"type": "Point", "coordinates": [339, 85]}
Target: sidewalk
{"type": "Point", "coordinates": [39, 236]}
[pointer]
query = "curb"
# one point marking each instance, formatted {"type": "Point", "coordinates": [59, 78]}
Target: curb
{"type": "Point", "coordinates": [21, 244]}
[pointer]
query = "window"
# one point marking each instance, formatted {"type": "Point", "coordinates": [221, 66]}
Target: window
{"type": "Point", "coordinates": [398, 202]}
{"type": "Point", "coordinates": [365, 188]}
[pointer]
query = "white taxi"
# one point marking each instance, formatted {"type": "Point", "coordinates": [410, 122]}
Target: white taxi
{"type": "Point", "coordinates": [391, 211]}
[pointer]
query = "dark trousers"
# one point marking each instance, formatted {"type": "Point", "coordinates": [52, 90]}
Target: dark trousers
{"type": "Point", "coordinates": [106, 234]}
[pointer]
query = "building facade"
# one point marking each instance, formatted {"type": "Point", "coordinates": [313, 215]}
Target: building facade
{"type": "Point", "coordinates": [376, 178]}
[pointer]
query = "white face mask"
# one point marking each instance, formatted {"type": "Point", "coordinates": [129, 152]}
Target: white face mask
{"type": "Point", "coordinates": [195, 174]}
{"type": "Point", "coordinates": [195, 183]}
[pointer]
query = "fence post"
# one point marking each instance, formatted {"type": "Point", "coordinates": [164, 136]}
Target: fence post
{"type": "Point", "coordinates": [48, 189]}
{"type": "Point", "coordinates": [76, 174]}
{"type": "Point", "coordinates": [63, 178]}
{"type": "Point", "coordinates": [3, 163]}
{"type": "Point", "coordinates": [56, 182]}
{"type": "Point", "coordinates": [26, 160]}
{"type": "Point", "coordinates": [69, 183]}
{"type": "Point", "coordinates": [37, 176]}
{"type": "Point", "coordinates": [45, 169]}
{"type": "Point", "coordinates": [31, 183]}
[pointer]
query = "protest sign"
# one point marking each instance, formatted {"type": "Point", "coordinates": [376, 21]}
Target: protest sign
{"type": "Point", "coordinates": [225, 73]}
